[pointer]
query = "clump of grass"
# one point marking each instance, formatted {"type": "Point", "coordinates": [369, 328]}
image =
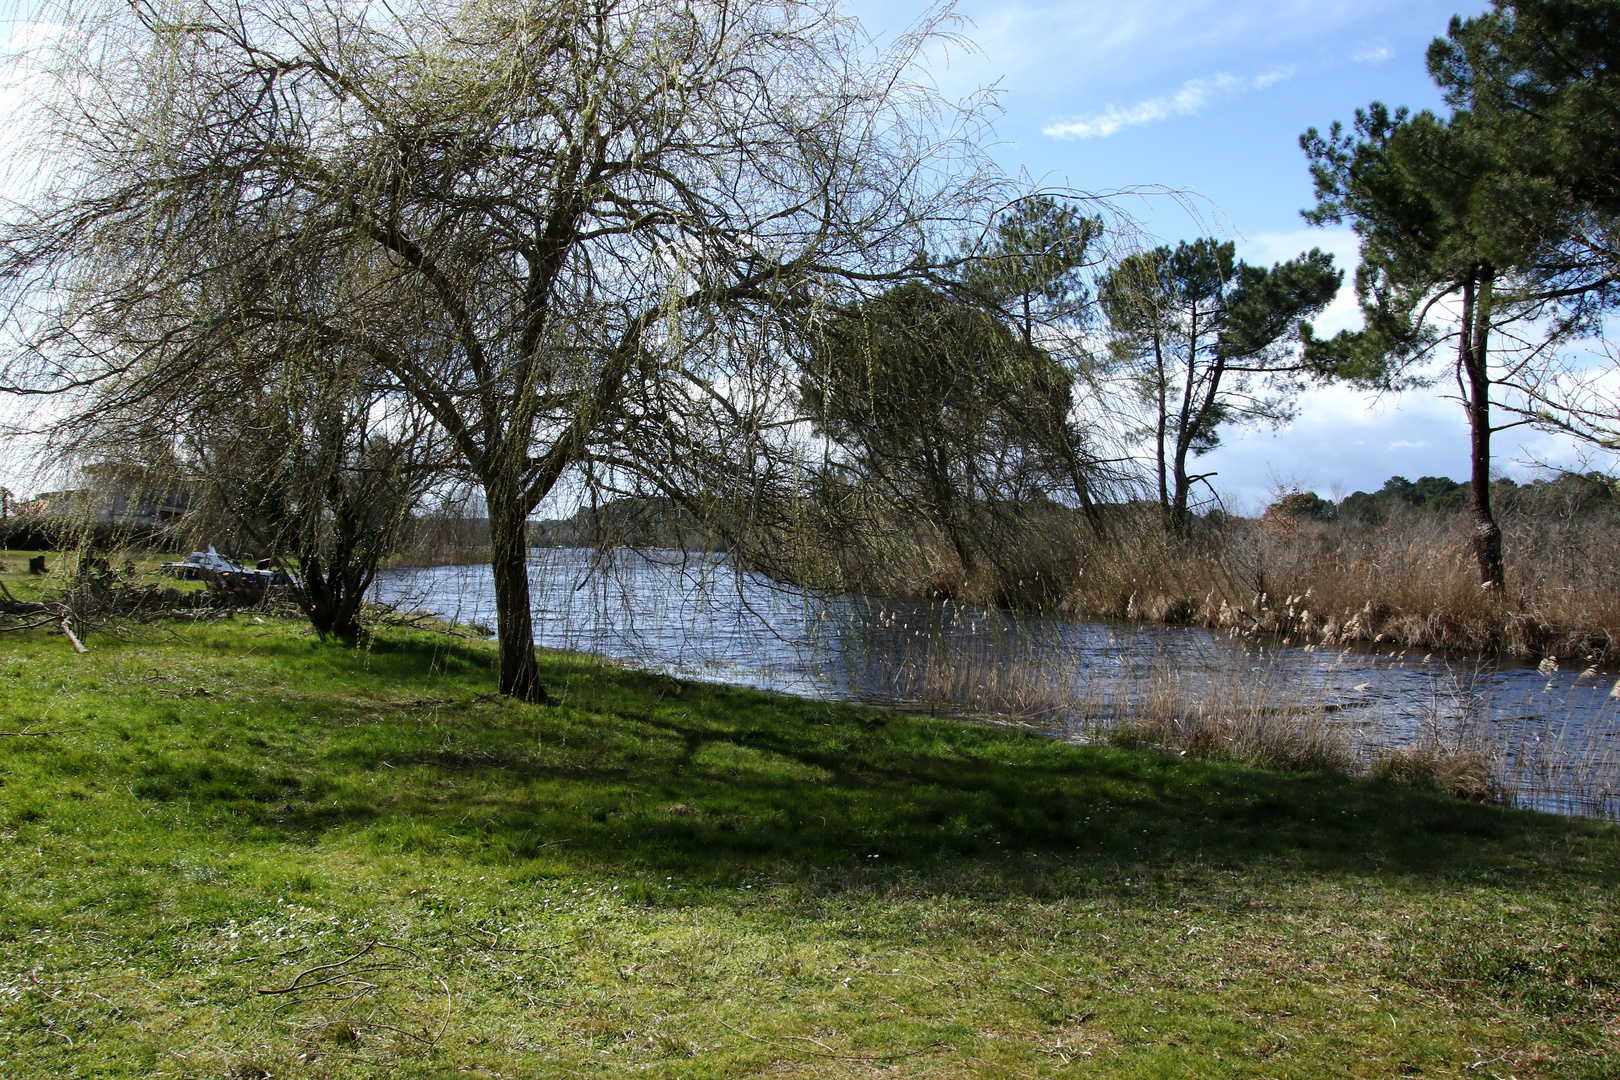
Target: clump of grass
{"type": "Point", "coordinates": [983, 678]}
{"type": "Point", "coordinates": [1464, 772]}
{"type": "Point", "coordinates": [1232, 716]}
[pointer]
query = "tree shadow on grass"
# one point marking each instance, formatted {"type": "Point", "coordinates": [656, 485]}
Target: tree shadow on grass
{"type": "Point", "coordinates": [637, 772]}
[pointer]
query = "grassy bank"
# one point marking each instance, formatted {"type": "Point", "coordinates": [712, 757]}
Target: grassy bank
{"type": "Point", "coordinates": [230, 850]}
{"type": "Point", "coordinates": [132, 567]}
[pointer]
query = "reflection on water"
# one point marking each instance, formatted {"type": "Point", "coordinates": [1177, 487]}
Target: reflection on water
{"type": "Point", "coordinates": [693, 616]}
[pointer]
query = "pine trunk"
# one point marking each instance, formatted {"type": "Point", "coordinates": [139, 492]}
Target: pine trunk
{"type": "Point", "coordinates": [1182, 495]}
{"type": "Point", "coordinates": [1472, 357]}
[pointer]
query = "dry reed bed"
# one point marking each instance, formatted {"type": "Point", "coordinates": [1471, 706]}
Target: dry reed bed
{"type": "Point", "coordinates": [1409, 581]}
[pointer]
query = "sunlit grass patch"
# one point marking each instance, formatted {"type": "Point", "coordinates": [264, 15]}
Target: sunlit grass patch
{"type": "Point", "coordinates": [231, 847]}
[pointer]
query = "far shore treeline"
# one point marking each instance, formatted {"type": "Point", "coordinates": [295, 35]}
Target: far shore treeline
{"type": "Point", "coordinates": [324, 288]}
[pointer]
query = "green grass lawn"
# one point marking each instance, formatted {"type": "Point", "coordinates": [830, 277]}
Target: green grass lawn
{"type": "Point", "coordinates": [231, 850]}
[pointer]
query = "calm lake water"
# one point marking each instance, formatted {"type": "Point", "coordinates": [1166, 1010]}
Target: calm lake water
{"type": "Point", "coordinates": [694, 616]}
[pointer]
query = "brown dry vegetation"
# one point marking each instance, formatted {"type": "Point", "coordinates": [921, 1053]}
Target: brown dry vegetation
{"type": "Point", "coordinates": [1407, 580]}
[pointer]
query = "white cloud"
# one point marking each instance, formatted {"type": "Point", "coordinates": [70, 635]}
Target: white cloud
{"type": "Point", "coordinates": [1094, 37]}
{"type": "Point", "coordinates": [1346, 440]}
{"type": "Point", "coordinates": [1272, 78]}
{"type": "Point", "coordinates": [1191, 97]}
{"type": "Point", "coordinates": [1343, 440]}
{"type": "Point", "coordinates": [1371, 52]}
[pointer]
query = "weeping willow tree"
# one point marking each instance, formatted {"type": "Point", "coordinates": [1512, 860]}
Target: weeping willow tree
{"type": "Point", "coordinates": [322, 471]}
{"type": "Point", "coordinates": [303, 459]}
{"type": "Point", "coordinates": [524, 214]}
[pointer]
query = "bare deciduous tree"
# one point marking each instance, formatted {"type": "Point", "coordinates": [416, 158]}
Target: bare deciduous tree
{"type": "Point", "coordinates": [322, 472]}
{"type": "Point", "coordinates": [520, 211]}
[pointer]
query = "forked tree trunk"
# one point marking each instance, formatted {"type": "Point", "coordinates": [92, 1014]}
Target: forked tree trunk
{"type": "Point", "coordinates": [1180, 479]}
{"type": "Point", "coordinates": [331, 599]}
{"type": "Point", "coordinates": [518, 674]}
{"type": "Point", "coordinates": [1472, 358]}
{"type": "Point", "coordinates": [1186, 423]}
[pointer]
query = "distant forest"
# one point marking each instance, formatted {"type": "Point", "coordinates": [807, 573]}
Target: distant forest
{"type": "Point", "coordinates": [1569, 495]}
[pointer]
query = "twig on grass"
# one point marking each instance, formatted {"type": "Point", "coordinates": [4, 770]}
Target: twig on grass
{"type": "Point", "coordinates": [496, 946]}
{"type": "Point", "coordinates": [334, 979]}
{"type": "Point", "coordinates": [266, 956]}
{"type": "Point", "coordinates": [1486, 1061]}
{"type": "Point", "coordinates": [1027, 956]}
{"type": "Point", "coordinates": [25, 733]}
{"type": "Point", "coordinates": [78, 646]}
{"type": "Point", "coordinates": [298, 980]}
{"type": "Point", "coordinates": [28, 626]}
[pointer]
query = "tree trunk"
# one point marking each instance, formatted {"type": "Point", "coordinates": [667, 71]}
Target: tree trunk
{"type": "Point", "coordinates": [1471, 358]}
{"type": "Point", "coordinates": [1164, 419]}
{"type": "Point", "coordinates": [319, 604]}
{"type": "Point", "coordinates": [957, 531]}
{"type": "Point", "coordinates": [518, 674]}
{"type": "Point", "coordinates": [1082, 491]}
{"type": "Point", "coordinates": [946, 508]}
{"type": "Point", "coordinates": [1077, 477]}
{"type": "Point", "coordinates": [1186, 424]}
{"type": "Point", "coordinates": [1178, 501]}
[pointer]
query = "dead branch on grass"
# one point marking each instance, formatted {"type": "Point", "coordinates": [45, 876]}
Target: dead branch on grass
{"type": "Point", "coordinates": [348, 980]}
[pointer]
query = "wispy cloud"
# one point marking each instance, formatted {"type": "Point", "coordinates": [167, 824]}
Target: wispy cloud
{"type": "Point", "coordinates": [1371, 52]}
{"type": "Point", "coordinates": [1191, 97]}
{"type": "Point", "coordinates": [1272, 78]}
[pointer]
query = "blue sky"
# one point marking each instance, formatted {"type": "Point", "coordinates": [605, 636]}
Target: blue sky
{"type": "Point", "coordinates": [1189, 94]}
{"type": "Point", "coordinates": [1209, 98]}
